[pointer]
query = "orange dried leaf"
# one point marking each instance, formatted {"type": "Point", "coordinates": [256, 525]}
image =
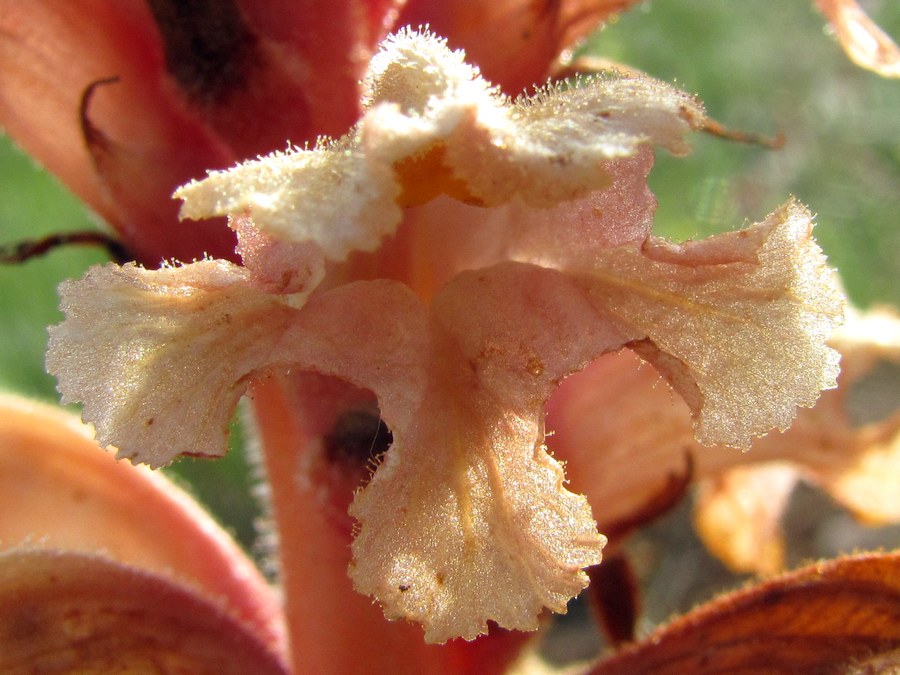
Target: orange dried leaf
{"type": "Point", "coordinates": [866, 481]}
{"type": "Point", "coordinates": [61, 492]}
{"type": "Point", "coordinates": [77, 613]}
{"type": "Point", "coordinates": [823, 618]}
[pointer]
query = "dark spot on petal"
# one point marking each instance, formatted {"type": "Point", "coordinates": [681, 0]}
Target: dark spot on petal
{"type": "Point", "coordinates": [209, 49]}
{"type": "Point", "coordinates": [535, 366]}
{"type": "Point", "coordinates": [149, 421]}
{"type": "Point", "coordinates": [358, 437]}
{"type": "Point", "coordinates": [439, 578]}
{"type": "Point", "coordinates": [403, 588]}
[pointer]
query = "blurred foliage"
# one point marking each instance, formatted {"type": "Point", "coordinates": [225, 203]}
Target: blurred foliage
{"type": "Point", "coordinates": [33, 205]}
{"type": "Point", "coordinates": [758, 66]}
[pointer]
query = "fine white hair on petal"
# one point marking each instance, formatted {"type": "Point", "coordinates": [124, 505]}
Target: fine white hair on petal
{"type": "Point", "coordinates": [329, 195]}
{"type": "Point", "coordinates": [730, 320]}
{"type": "Point", "coordinates": [159, 357]}
{"type": "Point", "coordinates": [416, 70]}
{"type": "Point", "coordinates": [433, 125]}
{"type": "Point", "coordinates": [468, 520]}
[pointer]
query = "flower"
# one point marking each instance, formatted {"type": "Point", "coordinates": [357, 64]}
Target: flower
{"type": "Point", "coordinates": [466, 519]}
{"type": "Point", "coordinates": [163, 91]}
{"type": "Point", "coordinates": [345, 286]}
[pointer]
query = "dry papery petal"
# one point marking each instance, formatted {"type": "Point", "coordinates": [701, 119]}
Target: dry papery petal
{"type": "Point", "coordinates": [865, 474]}
{"type": "Point", "coordinates": [823, 618]}
{"type": "Point", "coordinates": [638, 423]}
{"type": "Point", "coordinates": [68, 612]}
{"type": "Point", "coordinates": [160, 358]}
{"type": "Point", "coordinates": [61, 492]}
{"type": "Point", "coordinates": [862, 39]}
{"type": "Point", "coordinates": [434, 126]}
{"type": "Point", "coordinates": [467, 519]}
{"type": "Point", "coordinates": [729, 320]}
{"type": "Point", "coordinates": [867, 483]}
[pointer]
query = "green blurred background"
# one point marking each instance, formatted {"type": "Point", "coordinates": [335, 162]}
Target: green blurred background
{"type": "Point", "coordinates": [762, 66]}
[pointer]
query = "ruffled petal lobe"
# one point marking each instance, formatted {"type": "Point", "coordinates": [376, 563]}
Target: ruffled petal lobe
{"type": "Point", "coordinates": [145, 351]}
{"type": "Point", "coordinates": [730, 319]}
{"type": "Point", "coordinates": [467, 519]}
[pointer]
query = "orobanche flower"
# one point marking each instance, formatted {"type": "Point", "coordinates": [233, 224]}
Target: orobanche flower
{"type": "Point", "coordinates": [457, 254]}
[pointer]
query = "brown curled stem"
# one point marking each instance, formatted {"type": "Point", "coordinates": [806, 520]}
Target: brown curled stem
{"type": "Point", "coordinates": [18, 252]}
{"type": "Point", "coordinates": [92, 135]}
{"type": "Point", "coordinates": [719, 130]}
